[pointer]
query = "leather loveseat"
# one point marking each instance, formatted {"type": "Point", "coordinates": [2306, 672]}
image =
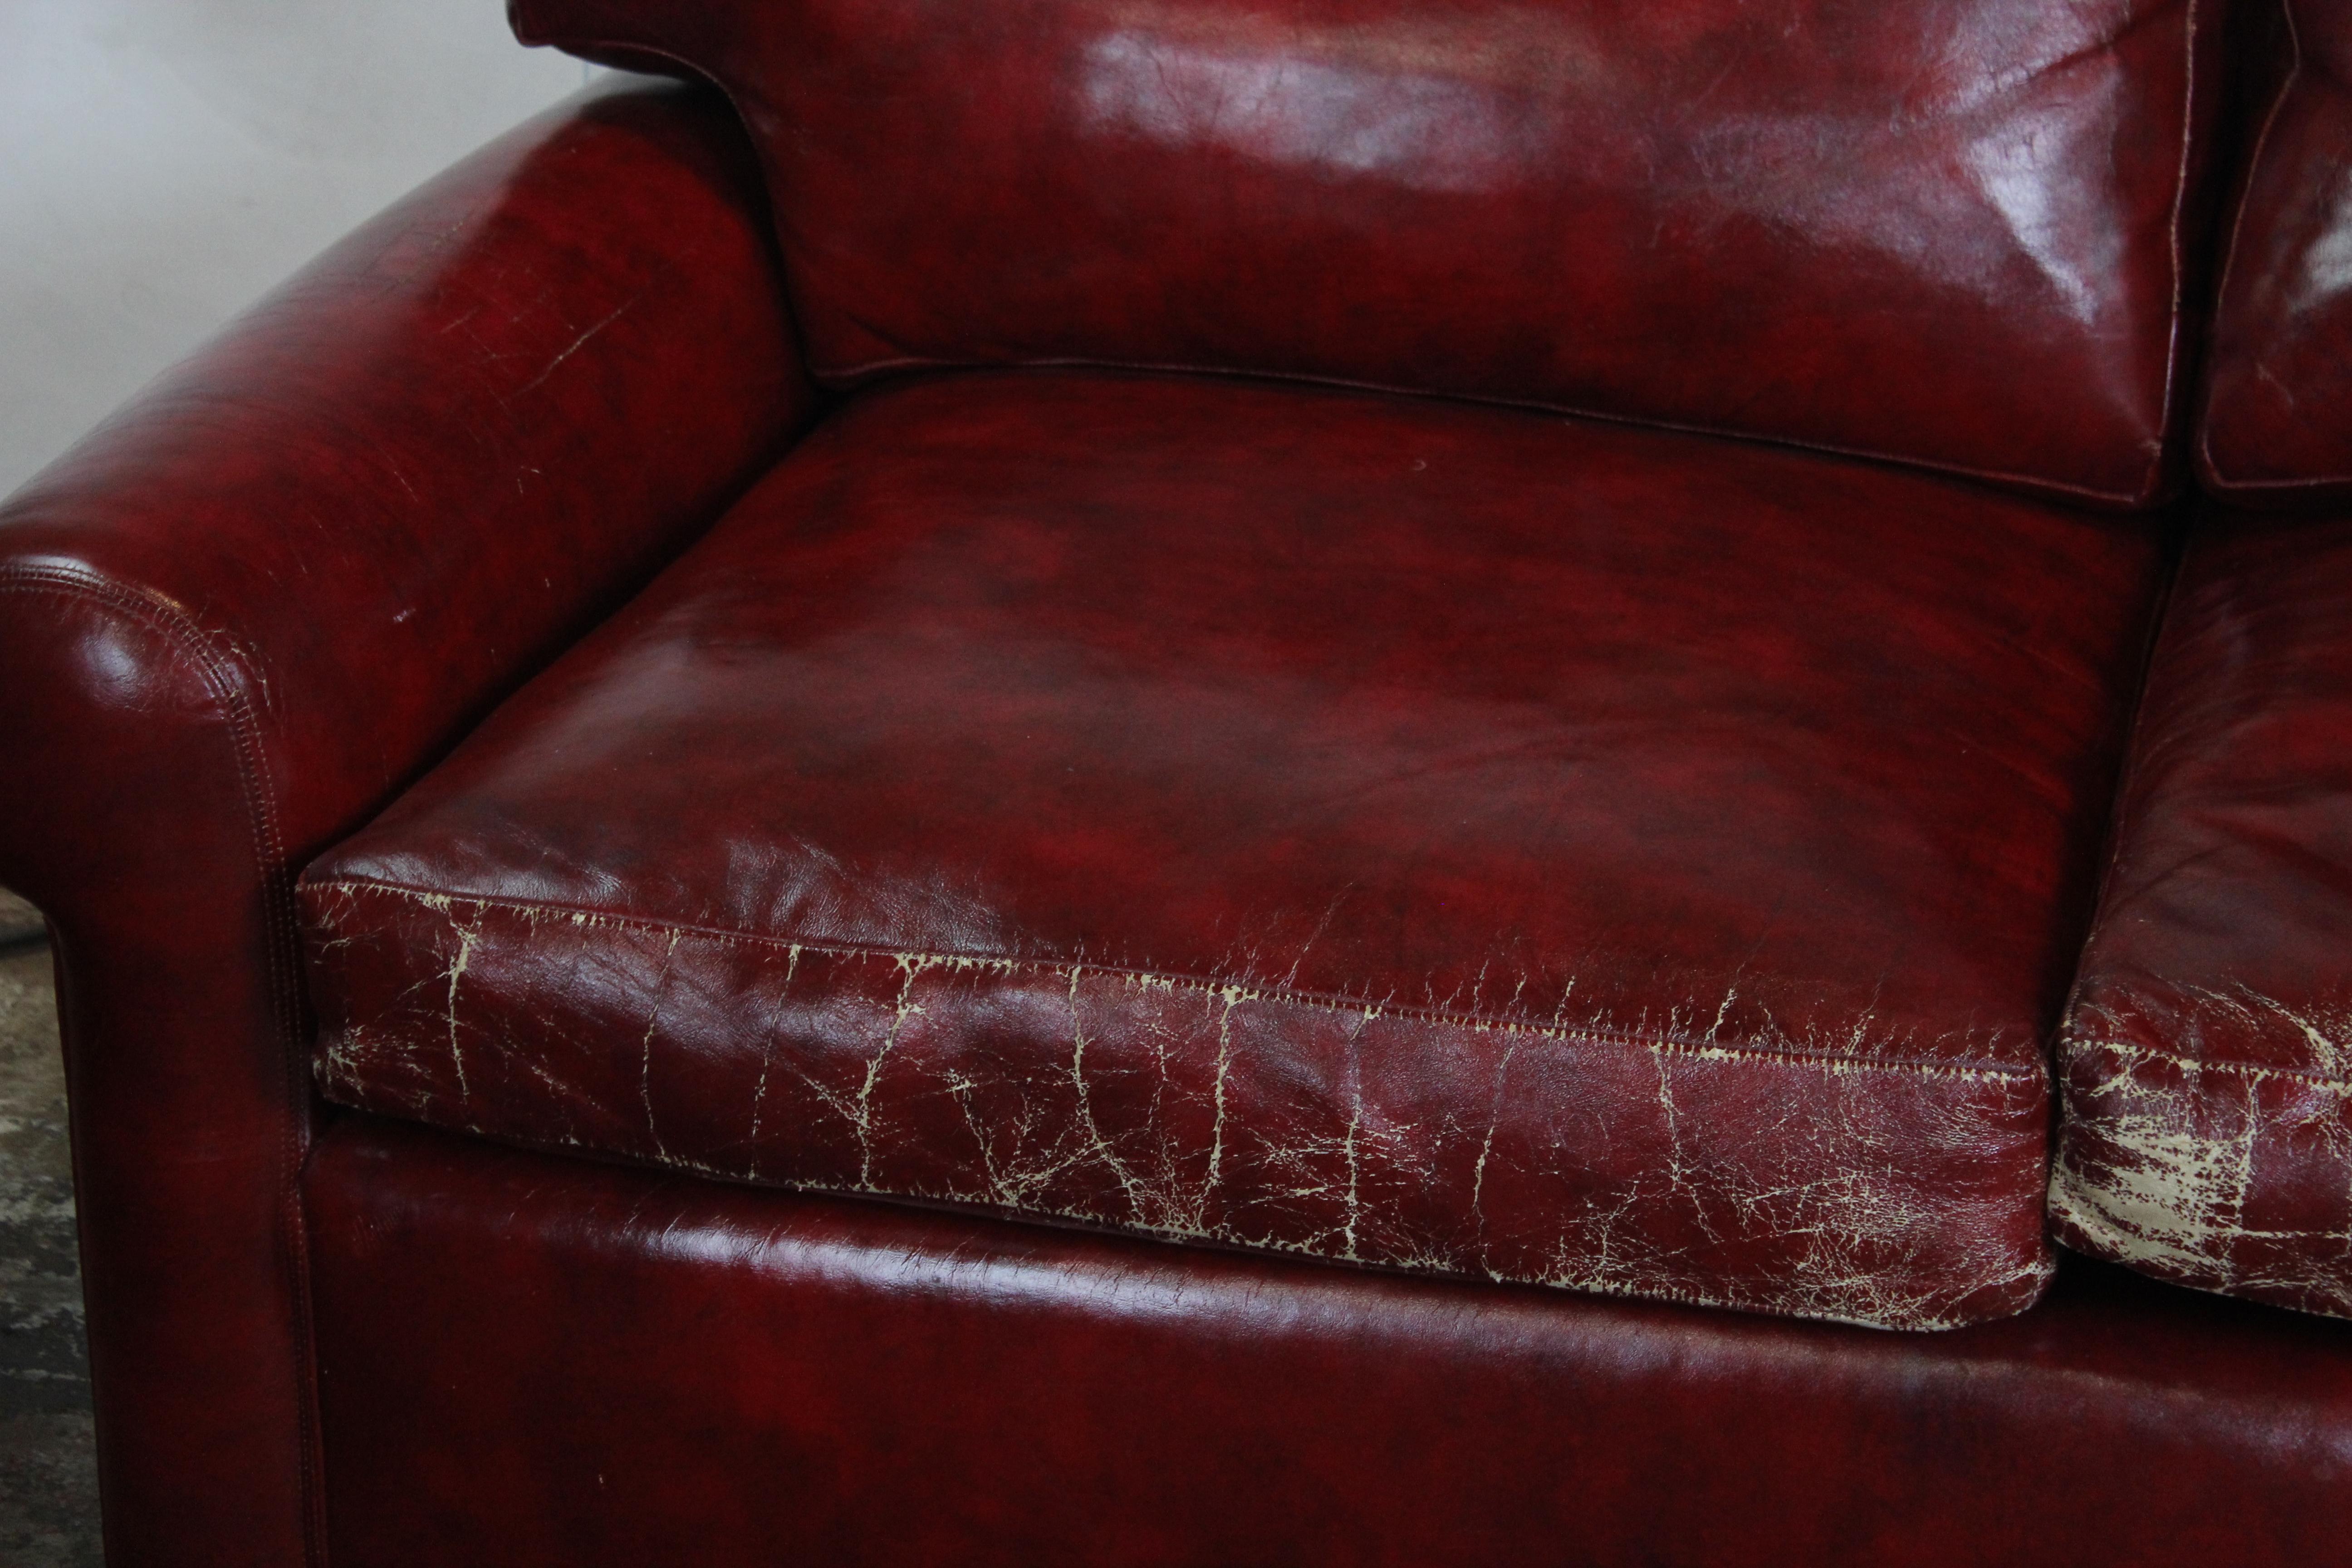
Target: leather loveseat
{"type": "Point", "coordinates": [1239, 781]}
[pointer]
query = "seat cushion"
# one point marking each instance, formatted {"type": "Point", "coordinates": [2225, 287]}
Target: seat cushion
{"type": "Point", "coordinates": [1396, 832]}
{"type": "Point", "coordinates": [1950, 231]}
{"type": "Point", "coordinates": [2207, 1058]}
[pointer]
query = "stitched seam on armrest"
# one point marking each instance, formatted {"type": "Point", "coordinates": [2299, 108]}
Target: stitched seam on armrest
{"type": "Point", "coordinates": [226, 677]}
{"type": "Point", "coordinates": [1237, 989]}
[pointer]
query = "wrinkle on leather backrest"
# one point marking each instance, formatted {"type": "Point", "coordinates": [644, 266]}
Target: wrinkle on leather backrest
{"type": "Point", "coordinates": [1950, 233]}
{"type": "Point", "coordinates": [2277, 423]}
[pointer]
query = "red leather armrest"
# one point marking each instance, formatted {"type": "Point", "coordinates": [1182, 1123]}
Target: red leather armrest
{"type": "Point", "coordinates": [239, 616]}
{"type": "Point", "coordinates": [2206, 1061]}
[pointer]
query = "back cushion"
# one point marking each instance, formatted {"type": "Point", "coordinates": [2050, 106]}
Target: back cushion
{"type": "Point", "coordinates": [1943, 231]}
{"type": "Point", "coordinates": [2278, 413]}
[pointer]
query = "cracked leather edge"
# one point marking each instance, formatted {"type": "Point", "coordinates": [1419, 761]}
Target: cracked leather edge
{"type": "Point", "coordinates": [2188, 1240]}
{"type": "Point", "coordinates": [1970, 1070]}
{"type": "Point", "coordinates": [2070, 1044]}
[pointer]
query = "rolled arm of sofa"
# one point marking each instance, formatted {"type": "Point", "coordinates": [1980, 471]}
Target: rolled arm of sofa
{"type": "Point", "coordinates": [243, 613]}
{"type": "Point", "coordinates": [2206, 1060]}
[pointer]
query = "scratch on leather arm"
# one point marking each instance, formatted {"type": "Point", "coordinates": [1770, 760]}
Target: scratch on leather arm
{"type": "Point", "coordinates": [242, 613]}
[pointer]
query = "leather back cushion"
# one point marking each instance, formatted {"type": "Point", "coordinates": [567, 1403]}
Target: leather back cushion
{"type": "Point", "coordinates": [2278, 417]}
{"type": "Point", "coordinates": [1943, 231]}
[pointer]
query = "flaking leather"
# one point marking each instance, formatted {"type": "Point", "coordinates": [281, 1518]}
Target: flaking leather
{"type": "Point", "coordinates": [2207, 1056]}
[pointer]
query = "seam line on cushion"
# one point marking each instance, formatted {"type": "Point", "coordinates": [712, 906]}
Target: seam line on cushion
{"type": "Point", "coordinates": [226, 678]}
{"type": "Point", "coordinates": [2229, 260]}
{"type": "Point", "coordinates": [2193, 1064]}
{"type": "Point", "coordinates": [2174, 347]}
{"type": "Point", "coordinates": [1243, 990]}
{"type": "Point", "coordinates": [868, 369]}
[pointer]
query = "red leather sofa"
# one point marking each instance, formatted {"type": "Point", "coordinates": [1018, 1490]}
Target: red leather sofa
{"type": "Point", "coordinates": [1198, 782]}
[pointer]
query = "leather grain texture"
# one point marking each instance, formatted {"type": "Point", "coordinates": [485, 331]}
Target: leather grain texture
{"type": "Point", "coordinates": [1402, 833]}
{"type": "Point", "coordinates": [2207, 1057]}
{"type": "Point", "coordinates": [1952, 232]}
{"type": "Point", "coordinates": [2276, 427]}
{"type": "Point", "coordinates": [533, 1361]}
{"type": "Point", "coordinates": [234, 620]}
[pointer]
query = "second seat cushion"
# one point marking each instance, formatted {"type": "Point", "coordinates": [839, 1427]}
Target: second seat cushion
{"type": "Point", "coordinates": [1399, 833]}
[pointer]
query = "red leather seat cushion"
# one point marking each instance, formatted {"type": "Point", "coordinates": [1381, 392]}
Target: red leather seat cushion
{"type": "Point", "coordinates": [2208, 1055]}
{"type": "Point", "coordinates": [1390, 831]}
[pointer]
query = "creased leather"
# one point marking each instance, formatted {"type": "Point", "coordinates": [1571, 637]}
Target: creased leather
{"type": "Point", "coordinates": [1395, 832]}
{"type": "Point", "coordinates": [244, 612]}
{"type": "Point", "coordinates": [536, 1360]}
{"type": "Point", "coordinates": [2207, 1056]}
{"type": "Point", "coordinates": [2276, 426]}
{"type": "Point", "coordinates": [1950, 232]}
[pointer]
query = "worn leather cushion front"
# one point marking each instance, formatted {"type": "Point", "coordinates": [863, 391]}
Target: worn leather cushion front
{"type": "Point", "coordinates": [1395, 832]}
{"type": "Point", "coordinates": [2207, 1054]}
{"type": "Point", "coordinates": [1946, 231]}
{"type": "Point", "coordinates": [2277, 424]}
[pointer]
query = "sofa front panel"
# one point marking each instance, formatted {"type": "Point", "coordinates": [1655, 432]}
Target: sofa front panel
{"type": "Point", "coordinates": [1950, 232]}
{"type": "Point", "coordinates": [1446, 837]}
{"type": "Point", "coordinates": [2277, 424]}
{"type": "Point", "coordinates": [529, 1359]}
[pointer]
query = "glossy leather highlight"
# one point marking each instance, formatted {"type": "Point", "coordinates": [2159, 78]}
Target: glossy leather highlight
{"type": "Point", "coordinates": [1950, 232]}
{"type": "Point", "coordinates": [1393, 831]}
{"type": "Point", "coordinates": [535, 1361]}
{"type": "Point", "coordinates": [1390, 830]}
{"type": "Point", "coordinates": [2277, 423]}
{"type": "Point", "coordinates": [239, 617]}
{"type": "Point", "coordinates": [2207, 1058]}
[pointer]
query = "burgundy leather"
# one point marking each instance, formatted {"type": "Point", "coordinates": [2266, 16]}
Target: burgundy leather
{"type": "Point", "coordinates": [238, 617]}
{"type": "Point", "coordinates": [1954, 232]}
{"type": "Point", "coordinates": [2277, 422]}
{"type": "Point", "coordinates": [2208, 1055]}
{"type": "Point", "coordinates": [535, 1361]}
{"type": "Point", "coordinates": [1405, 833]}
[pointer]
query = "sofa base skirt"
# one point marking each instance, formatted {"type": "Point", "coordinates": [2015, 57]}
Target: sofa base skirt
{"type": "Point", "coordinates": [530, 1360]}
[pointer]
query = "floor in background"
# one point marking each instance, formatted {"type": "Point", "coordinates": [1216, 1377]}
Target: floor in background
{"type": "Point", "coordinates": [49, 1473]}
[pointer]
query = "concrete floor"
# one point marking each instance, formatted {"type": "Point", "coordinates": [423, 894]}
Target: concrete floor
{"type": "Point", "coordinates": [49, 1473]}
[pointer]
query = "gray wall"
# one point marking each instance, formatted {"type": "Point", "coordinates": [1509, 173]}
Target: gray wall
{"type": "Point", "coordinates": [163, 161]}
